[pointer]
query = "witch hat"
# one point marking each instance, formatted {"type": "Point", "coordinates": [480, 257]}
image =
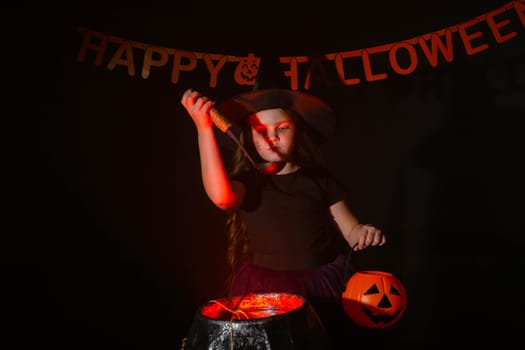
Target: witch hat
{"type": "Point", "coordinates": [272, 90]}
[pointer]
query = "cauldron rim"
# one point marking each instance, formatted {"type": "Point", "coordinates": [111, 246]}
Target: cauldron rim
{"type": "Point", "coordinates": [303, 304]}
{"type": "Point", "coordinates": [298, 328]}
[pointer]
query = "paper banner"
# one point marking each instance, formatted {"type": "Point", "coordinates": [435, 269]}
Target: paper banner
{"type": "Point", "coordinates": [402, 57]}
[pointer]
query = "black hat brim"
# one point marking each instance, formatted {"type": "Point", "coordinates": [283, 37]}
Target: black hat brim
{"type": "Point", "coordinates": [317, 114]}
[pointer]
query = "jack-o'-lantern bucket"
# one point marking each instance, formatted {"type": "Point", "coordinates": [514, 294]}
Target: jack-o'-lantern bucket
{"type": "Point", "coordinates": [257, 321]}
{"type": "Point", "coordinates": [374, 299]}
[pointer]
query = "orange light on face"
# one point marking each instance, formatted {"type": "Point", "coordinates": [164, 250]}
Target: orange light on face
{"type": "Point", "coordinates": [252, 306]}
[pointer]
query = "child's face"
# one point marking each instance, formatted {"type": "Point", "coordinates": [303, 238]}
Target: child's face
{"type": "Point", "coordinates": [273, 133]}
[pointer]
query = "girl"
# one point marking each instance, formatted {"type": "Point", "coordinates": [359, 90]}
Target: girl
{"type": "Point", "coordinates": [290, 230]}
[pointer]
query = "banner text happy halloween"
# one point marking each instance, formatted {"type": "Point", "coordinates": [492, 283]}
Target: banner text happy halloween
{"type": "Point", "coordinates": [402, 57]}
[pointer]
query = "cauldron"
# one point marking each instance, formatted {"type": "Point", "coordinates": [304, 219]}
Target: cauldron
{"type": "Point", "coordinates": [257, 321]}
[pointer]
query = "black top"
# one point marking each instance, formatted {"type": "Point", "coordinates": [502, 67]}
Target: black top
{"type": "Point", "coordinates": [288, 218]}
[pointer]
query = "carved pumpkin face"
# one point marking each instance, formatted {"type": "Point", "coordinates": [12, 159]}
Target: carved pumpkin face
{"type": "Point", "coordinates": [246, 70]}
{"type": "Point", "coordinates": [374, 299]}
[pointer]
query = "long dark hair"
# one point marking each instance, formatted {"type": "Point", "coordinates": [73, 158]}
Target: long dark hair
{"type": "Point", "coordinates": [306, 154]}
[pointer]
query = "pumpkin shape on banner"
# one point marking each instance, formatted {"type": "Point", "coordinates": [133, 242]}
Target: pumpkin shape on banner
{"type": "Point", "coordinates": [374, 299]}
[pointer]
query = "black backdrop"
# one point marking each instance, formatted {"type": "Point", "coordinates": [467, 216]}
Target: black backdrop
{"type": "Point", "coordinates": [111, 240]}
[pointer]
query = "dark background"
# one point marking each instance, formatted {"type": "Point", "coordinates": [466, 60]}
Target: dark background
{"type": "Point", "coordinates": [111, 240]}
